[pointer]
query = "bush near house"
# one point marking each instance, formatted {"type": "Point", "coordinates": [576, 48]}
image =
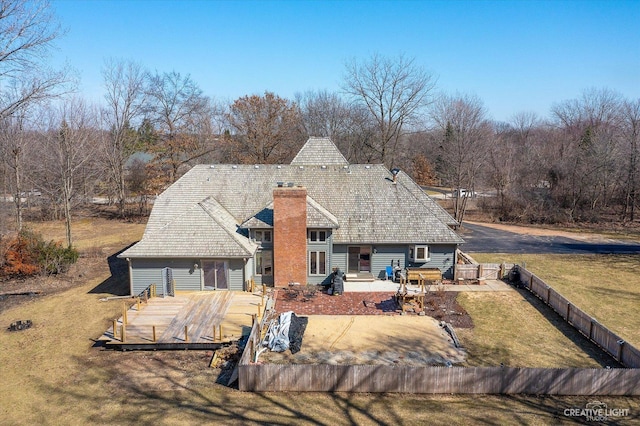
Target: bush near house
{"type": "Point", "coordinates": [28, 254]}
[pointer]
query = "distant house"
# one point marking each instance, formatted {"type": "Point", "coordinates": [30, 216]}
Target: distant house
{"type": "Point", "coordinates": [220, 225]}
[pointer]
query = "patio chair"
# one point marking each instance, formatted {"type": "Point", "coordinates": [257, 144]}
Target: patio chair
{"type": "Point", "coordinates": [389, 273]}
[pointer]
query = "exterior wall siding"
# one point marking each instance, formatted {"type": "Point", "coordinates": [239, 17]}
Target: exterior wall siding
{"type": "Point", "coordinates": [236, 274]}
{"type": "Point", "coordinates": [149, 271]}
{"type": "Point", "coordinates": [441, 257]}
{"type": "Point", "coordinates": [384, 255]}
{"type": "Point", "coordinates": [339, 257]}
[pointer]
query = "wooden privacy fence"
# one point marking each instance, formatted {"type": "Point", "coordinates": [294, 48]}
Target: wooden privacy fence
{"type": "Point", "coordinates": [614, 345]}
{"type": "Point", "coordinates": [479, 271]}
{"type": "Point", "coordinates": [458, 380]}
{"type": "Point", "coordinates": [472, 270]}
{"type": "Point", "coordinates": [461, 380]}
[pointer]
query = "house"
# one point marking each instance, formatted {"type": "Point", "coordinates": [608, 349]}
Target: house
{"type": "Point", "coordinates": [220, 225]}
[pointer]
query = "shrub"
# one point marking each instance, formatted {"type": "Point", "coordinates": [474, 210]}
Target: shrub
{"type": "Point", "coordinates": [28, 254]}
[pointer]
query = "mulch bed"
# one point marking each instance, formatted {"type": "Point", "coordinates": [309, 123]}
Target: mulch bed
{"type": "Point", "coordinates": [441, 306]}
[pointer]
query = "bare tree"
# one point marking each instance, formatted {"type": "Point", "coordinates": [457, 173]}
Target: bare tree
{"type": "Point", "coordinates": [264, 129]}
{"type": "Point", "coordinates": [395, 92]}
{"type": "Point", "coordinates": [27, 32]}
{"type": "Point", "coordinates": [586, 173]}
{"type": "Point", "coordinates": [14, 146]}
{"type": "Point", "coordinates": [631, 138]}
{"type": "Point", "coordinates": [68, 146]}
{"type": "Point", "coordinates": [349, 126]}
{"type": "Point", "coordinates": [182, 117]}
{"type": "Point", "coordinates": [125, 95]}
{"type": "Point", "coordinates": [465, 136]}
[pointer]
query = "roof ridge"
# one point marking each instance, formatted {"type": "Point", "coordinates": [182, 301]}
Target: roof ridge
{"type": "Point", "coordinates": [233, 235]}
{"type": "Point", "coordinates": [326, 213]}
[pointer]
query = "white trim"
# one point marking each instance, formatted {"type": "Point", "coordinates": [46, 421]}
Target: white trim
{"type": "Point", "coordinates": [317, 253]}
{"type": "Point", "coordinates": [413, 253]}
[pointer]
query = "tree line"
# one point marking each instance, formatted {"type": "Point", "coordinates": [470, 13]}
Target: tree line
{"type": "Point", "coordinates": [61, 151]}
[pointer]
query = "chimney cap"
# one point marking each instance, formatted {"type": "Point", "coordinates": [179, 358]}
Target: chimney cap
{"type": "Point", "coordinates": [280, 184]}
{"type": "Point", "coordinates": [290, 184]}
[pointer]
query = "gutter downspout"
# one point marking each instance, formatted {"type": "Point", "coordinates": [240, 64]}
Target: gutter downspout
{"type": "Point", "coordinates": [130, 277]}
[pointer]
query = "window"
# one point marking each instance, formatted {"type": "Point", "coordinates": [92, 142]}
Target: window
{"type": "Point", "coordinates": [317, 235]}
{"type": "Point", "coordinates": [264, 235]}
{"type": "Point", "coordinates": [419, 253]}
{"type": "Point", "coordinates": [317, 263]}
{"type": "Point", "coordinates": [264, 262]}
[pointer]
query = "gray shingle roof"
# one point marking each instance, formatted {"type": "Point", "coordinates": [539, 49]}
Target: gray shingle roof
{"type": "Point", "coordinates": [205, 229]}
{"type": "Point", "coordinates": [200, 213]}
{"type": "Point", "coordinates": [317, 217]}
{"type": "Point", "coordinates": [318, 152]}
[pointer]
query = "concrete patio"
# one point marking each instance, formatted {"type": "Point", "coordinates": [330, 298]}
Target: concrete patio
{"type": "Point", "coordinates": [390, 286]}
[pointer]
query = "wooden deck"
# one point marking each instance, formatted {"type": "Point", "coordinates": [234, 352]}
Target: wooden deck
{"type": "Point", "coordinates": [202, 313]}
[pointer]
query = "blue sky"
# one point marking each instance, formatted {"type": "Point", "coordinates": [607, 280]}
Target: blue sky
{"type": "Point", "coordinates": [515, 55]}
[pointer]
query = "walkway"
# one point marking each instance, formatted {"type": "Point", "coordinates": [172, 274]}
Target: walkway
{"type": "Point", "coordinates": [389, 286]}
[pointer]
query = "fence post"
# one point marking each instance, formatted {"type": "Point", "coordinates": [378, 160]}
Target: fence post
{"type": "Point", "coordinates": [124, 312]}
{"type": "Point", "coordinates": [154, 334]}
{"type": "Point", "coordinates": [568, 310]}
{"type": "Point", "coordinates": [591, 328]}
{"type": "Point", "coordinates": [530, 281]}
{"type": "Point", "coordinates": [123, 333]}
{"type": "Point", "coordinates": [619, 354]}
{"type": "Point", "coordinates": [115, 329]}
{"type": "Point", "coordinates": [186, 333]}
{"type": "Point", "coordinates": [548, 294]}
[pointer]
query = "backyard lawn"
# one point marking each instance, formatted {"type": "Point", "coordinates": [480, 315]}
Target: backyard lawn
{"type": "Point", "coordinates": [53, 373]}
{"type": "Point", "coordinates": [605, 286]}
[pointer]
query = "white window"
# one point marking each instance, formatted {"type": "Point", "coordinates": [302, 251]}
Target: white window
{"type": "Point", "coordinates": [264, 262]}
{"type": "Point", "coordinates": [316, 235]}
{"type": "Point", "coordinates": [419, 253]}
{"type": "Point", "coordinates": [317, 263]}
{"type": "Point", "coordinates": [263, 235]}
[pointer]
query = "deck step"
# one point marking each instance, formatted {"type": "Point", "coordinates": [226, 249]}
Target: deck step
{"type": "Point", "coordinates": [361, 277]}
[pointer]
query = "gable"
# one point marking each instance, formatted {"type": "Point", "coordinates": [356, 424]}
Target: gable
{"type": "Point", "coordinates": [319, 151]}
{"type": "Point", "coordinates": [317, 217]}
{"type": "Point", "coordinates": [204, 230]}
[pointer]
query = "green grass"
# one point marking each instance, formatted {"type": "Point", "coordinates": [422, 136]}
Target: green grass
{"type": "Point", "coordinates": [606, 287]}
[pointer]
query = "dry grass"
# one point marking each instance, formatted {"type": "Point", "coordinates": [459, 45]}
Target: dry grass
{"type": "Point", "coordinates": [604, 286]}
{"type": "Point", "coordinates": [92, 233]}
{"type": "Point", "coordinates": [510, 329]}
{"type": "Point", "coordinates": [52, 374]}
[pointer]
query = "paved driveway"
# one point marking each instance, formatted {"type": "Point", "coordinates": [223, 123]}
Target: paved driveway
{"type": "Point", "coordinates": [482, 239]}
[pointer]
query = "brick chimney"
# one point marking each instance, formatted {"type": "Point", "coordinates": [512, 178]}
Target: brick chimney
{"type": "Point", "coordinates": [289, 235]}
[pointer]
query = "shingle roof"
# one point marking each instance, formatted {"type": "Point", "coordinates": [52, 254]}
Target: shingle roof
{"type": "Point", "coordinates": [205, 229]}
{"type": "Point", "coordinates": [317, 217]}
{"type": "Point", "coordinates": [318, 152]}
{"type": "Point", "coordinates": [200, 213]}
